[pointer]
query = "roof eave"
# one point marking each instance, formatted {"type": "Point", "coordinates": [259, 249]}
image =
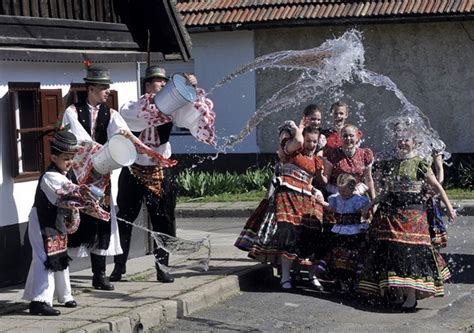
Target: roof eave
{"type": "Point", "coordinates": [328, 22]}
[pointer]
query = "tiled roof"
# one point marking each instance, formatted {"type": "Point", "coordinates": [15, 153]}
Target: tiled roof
{"type": "Point", "coordinates": [203, 13]}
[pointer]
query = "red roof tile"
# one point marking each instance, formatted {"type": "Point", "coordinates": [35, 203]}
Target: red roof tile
{"type": "Point", "coordinates": [201, 13]}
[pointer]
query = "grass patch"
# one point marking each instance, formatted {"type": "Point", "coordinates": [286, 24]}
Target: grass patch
{"type": "Point", "coordinates": [255, 195]}
{"type": "Point", "coordinates": [453, 194]}
{"type": "Point", "coordinates": [460, 193]}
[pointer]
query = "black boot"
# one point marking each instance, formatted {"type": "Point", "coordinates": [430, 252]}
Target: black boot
{"type": "Point", "coordinates": [99, 280]}
{"type": "Point", "coordinates": [117, 273]}
{"type": "Point", "coordinates": [43, 309]}
{"type": "Point", "coordinates": [120, 261]}
{"type": "Point", "coordinates": [162, 258]}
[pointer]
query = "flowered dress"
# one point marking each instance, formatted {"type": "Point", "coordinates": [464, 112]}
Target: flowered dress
{"type": "Point", "coordinates": [293, 221]}
{"type": "Point", "coordinates": [400, 253]}
{"type": "Point", "coordinates": [348, 236]}
{"type": "Point", "coordinates": [354, 165]}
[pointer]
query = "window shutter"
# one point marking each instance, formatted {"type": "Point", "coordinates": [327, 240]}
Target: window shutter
{"type": "Point", "coordinates": [51, 113]}
{"type": "Point", "coordinates": [14, 134]}
{"type": "Point", "coordinates": [112, 101]}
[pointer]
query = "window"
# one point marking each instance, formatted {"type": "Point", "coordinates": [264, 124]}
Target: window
{"type": "Point", "coordinates": [33, 110]}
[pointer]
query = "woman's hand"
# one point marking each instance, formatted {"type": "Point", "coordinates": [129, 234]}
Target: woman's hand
{"type": "Point", "coordinates": [451, 214]}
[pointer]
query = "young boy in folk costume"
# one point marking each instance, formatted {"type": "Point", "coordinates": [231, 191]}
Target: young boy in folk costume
{"type": "Point", "coordinates": [54, 215]}
{"type": "Point", "coordinates": [147, 181]}
{"type": "Point", "coordinates": [93, 122]}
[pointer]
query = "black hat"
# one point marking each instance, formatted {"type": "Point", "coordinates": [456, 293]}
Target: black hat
{"type": "Point", "coordinates": [155, 71]}
{"type": "Point", "coordinates": [65, 142]}
{"type": "Point", "coordinates": [98, 75]}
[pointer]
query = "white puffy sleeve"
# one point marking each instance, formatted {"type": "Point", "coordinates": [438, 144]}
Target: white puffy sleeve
{"type": "Point", "coordinates": [116, 123]}
{"type": "Point", "coordinates": [70, 118]}
{"type": "Point", "coordinates": [199, 118]}
{"type": "Point", "coordinates": [142, 114]}
{"type": "Point", "coordinates": [55, 186]}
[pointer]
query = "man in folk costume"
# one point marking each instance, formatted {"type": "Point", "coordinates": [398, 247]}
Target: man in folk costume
{"type": "Point", "coordinates": [54, 215]}
{"type": "Point", "coordinates": [146, 181]}
{"type": "Point", "coordinates": [94, 122]}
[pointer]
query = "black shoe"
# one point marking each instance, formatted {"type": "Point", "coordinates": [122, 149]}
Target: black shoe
{"type": "Point", "coordinates": [163, 276]}
{"type": "Point", "coordinates": [43, 309]}
{"type": "Point", "coordinates": [117, 273]}
{"type": "Point", "coordinates": [286, 286]}
{"type": "Point", "coordinates": [70, 304]}
{"type": "Point", "coordinates": [315, 284]}
{"type": "Point", "coordinates": [99, 281]}
{"type": "Point", "coordinates": [410, 309]}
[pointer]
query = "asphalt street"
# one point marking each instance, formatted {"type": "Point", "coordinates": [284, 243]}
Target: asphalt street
{"type": "Point", "coordinates": [265, 308]}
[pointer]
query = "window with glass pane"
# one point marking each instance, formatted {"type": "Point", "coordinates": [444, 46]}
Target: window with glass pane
{"type": "Point", "coordinates": [33, 111]}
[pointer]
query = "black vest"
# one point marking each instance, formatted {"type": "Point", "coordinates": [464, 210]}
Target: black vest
{"type": "Point", "coordinates": [103, 119]}
{"type": "Point", "coordinates": [47, 212]}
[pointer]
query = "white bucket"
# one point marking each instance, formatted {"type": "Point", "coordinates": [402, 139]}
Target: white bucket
{"type": "Point", "coordinates": [175, 94]}
{"type": "Point", "coordinates": [114, 154]}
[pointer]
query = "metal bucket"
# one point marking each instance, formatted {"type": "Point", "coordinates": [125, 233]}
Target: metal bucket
{"type": "Point", "coordinates": [114, 154]}
{"type": "Point", "coordinates": [175, 94]}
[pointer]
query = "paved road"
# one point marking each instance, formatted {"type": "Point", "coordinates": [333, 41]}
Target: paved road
{"type": "Point", "coordinates": [265, 308]}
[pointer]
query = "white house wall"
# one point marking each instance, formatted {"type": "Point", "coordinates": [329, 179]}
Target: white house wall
{"type": "Point", "coordinates": [16, 199]}
{"type": "Point", "coordinates": [216, 55]}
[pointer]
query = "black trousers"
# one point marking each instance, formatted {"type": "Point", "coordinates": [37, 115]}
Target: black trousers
{"type": "Point", "coordinates": [161, 209]}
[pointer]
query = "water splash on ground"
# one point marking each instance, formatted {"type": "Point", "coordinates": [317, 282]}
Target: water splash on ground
{"type": "Point", "coordinates": [187, 253]}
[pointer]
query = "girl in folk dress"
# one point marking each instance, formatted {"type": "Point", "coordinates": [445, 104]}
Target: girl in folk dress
{"type": "Point", "coordinates": [350, 159]}
{"type": "Point", "coordinates": [401, 261]}
{"type": "Point", "coordinates": [349, 232]}
{"type": "Point", "coordinates": [312, 116]}
{"type": "Point", "coordinates": [292, 234]}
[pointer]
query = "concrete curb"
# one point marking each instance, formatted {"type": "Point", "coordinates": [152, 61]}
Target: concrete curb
{"type": "Point", "coordinates": [467, 210]}
{"type": "Point", "coordinates": [210, 213]}
{"type": "Point", "coordinates": [145, 317]}
{"type": "Point", "coordinates": [211, 210]}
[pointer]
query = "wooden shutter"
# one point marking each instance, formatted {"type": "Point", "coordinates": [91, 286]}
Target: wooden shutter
{"type": "Point", "coordinates": [51, 113]}
{"type": "Point", "coordinates": [112, 101]}
{"type": "Point", "coordinates": [14, 134]}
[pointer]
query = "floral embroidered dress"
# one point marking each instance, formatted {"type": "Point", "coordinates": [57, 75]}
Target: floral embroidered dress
{"type": "Point", "coordinates": [400, 254]}
{"type": "Point", "coordinates": [348, 236]}
{"type": "Point", "coordinates": [354, 165]}
{"type": "Point", "coordinates": [294, 223]}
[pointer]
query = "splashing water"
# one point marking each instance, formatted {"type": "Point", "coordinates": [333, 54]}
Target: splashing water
{"type": "Point", "coordinates": [322, 70]}
{"type": "Point", "coordinates": [192, 254]}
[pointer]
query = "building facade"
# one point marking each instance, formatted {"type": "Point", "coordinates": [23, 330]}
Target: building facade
{"type": "Point", "coordinates": [43, 51]}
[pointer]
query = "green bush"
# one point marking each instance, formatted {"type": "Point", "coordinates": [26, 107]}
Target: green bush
{"type": "Point", "coordinates": [202, 183]}
{"type": "Point", "coordinates": [460, 174]}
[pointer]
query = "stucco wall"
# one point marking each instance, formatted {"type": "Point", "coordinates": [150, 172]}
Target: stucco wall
{"type": "Point", "coordinates": [431, 63]}
{"type": "Point", "coordinates": [216, 55]}
{"type": "Point", "coordinates": [16, 199]}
